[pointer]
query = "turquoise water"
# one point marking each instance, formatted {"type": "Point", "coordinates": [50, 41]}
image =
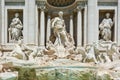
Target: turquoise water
{"type": "Point", "coordinates": [60, 73]}
{"type": "Point", "coordinates": [69, 73]}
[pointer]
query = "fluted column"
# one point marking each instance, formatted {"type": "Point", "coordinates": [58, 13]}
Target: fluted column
{"type": "Point", "coordinates": [93, 31]}
{"type": "Point", "coordinates": [48, 28]}
{"type": "Point", "coordinates": [79, 26]}
{"type": "Point", "coordinates": [42, 27]}
{"type": "Point", "coordinates": [71, 25]}
{"type": "Point", "coordinates": [118, 30]}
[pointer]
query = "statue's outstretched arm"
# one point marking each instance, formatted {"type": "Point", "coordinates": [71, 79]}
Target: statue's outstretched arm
{"type": "Point", "coordinates": [52, 23]}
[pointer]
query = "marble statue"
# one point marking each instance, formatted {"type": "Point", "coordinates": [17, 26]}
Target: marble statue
{"type": "Point", "coordinates": [50, 48]}
{"type": "Point", "coordinates": [90, 53]}
{"type": "Point", "coordinates": [59, 31]}
{"type": "Point", "coordinates": [18, 51]}
{"type": "Point", "coordinates": [110, 51]}
{"type": "Point", "coordinates": [80, 51]}
{"type": "Point", "coordinates": [82, 56]}
{"type": "Point", "coordinates": [62, 52]}
{"type": "Point", "coordinates": [15, 29]}
{"type": "Point", "coordinates": [25, 52]}
{"type": "Point", "coordinates": [113, 52]}
{"type": "Point", "coordinates": [63, 43]}
{"type": "Point", "coordinates": [105, 28]}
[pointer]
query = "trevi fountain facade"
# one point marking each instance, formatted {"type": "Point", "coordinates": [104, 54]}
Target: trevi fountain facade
{"type": "Point", "coordinates": [59, 40]}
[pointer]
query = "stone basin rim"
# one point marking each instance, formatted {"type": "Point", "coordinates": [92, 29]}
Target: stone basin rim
{"type": "Point", "coordinates": [58, 67]}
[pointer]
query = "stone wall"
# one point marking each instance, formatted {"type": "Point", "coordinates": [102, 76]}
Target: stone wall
{"type": "Point", "coordinates": [0, 21]}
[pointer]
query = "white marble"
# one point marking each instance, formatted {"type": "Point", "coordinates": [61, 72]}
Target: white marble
{"type": "Point", "coordinates": [15, 29]}
{"type": "Point", "coordinates": [48, 28]}
{"type": "Point", "coordinates": [25, 32]}
{"type": "Point", "coordinates": [36, 26]}
{"type": "Point", "coordinates": [79, 26]}
{"type": "Point", "coordinates": [92, 32]}
{"type": "Point", "coordinates": [31, 21]}
{"type": "Point", "coordinates": [115, 18]}
{"type": "Point", "coordinates": [105, 27]}
{"type": "Point", "coordinates": [3, 19]}
{"type": "Point", "coordinates": [85, 25]}
{"type": "Point", "coordinates": [71, 25]}
{"type": "Point", "coordinates": [42, 27]}
{"type": "Point", "coordinates": [118, 20]}
{"type": "Point", "coordinates": [98, 52]}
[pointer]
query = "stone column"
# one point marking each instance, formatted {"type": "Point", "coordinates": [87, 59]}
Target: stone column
{"type": "Point", "coordinates": [31, 21]}
{"type": "Point", "coordinates": [79, 26]}
{"type": "Point", "coordinates": [93, 31]}
{"type": "Point", "coordinates": [71, 25]}
{"type": "Point", "coordinates": [3, 21]}
{"type": "Point", "coordinates": [85, 25]}
{"type": "Point", "coordinates": [48, 28]}
{"type": "Point", "coordinates": [42, 27]}
{"type": "Point", "coordinates": [37, 33]}
{"type": "Point", "coordinates": [26, 18]}
{"type": "Point", "coordinates": [118, 26]}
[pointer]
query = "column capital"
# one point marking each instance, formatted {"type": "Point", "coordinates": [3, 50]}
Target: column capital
{"type": "Point", "coordinates": [42, 8]}
{"type": "Point", "coordinates": [79, 8]}
{"type": "Point", "coordinates": [80, 5]}
{"type": "Point", "coordinates": [41, 5]}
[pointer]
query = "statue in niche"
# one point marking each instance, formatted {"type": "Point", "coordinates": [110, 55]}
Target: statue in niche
{"type": "Point", "coordinates": [105, 28]}
{"type": "Point", "coordinates": [15, 29]}
{"type": "Point", "coordinates": [60, 35]}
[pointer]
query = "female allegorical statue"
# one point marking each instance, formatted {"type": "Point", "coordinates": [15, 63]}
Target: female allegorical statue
{"type": "Point", "coordinates": [15, 30]}
{"type": "Point", "coordinates": [105, 28]}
